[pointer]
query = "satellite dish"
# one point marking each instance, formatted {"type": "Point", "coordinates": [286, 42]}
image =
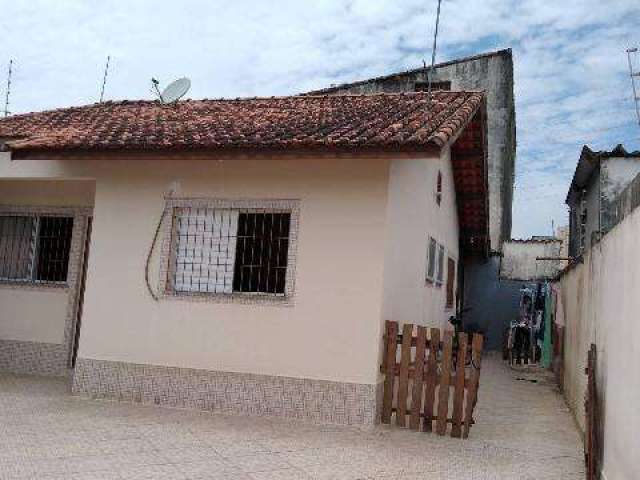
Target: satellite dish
{"type": "Point", "coordinates": [174, 91]}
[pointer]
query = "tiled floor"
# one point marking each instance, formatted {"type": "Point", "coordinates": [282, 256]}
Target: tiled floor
{"type": "Point", "coordinates": [523, 431]}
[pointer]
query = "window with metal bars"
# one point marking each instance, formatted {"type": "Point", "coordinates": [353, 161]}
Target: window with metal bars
{"type": "Point", "coordinates": [35, 248]}
{"type": "Point", "coordinates": [435, 86]}
{"type": "Point", "coordinates": [230, 251]}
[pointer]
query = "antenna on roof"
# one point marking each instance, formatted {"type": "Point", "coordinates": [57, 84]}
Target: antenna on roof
{"type": "Point", "coordinates": [6, 98]}
{"type": "Point", "coordinates": [634, 75]}
{"type": "Point", "coordinates": [174, 91]}
{"type": "Point", "coordinates": [104, 78]}
{"type": "Point", "coordinates": [433, 51]}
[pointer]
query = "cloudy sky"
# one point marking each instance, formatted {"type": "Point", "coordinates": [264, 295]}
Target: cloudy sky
{"type": "Point", "coordinates": [572, 84]}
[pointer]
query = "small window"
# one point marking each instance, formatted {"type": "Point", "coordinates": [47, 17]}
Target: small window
{"type": "Point", "coordinates": [230, 251]}
{"type": "Point", "coordinates": [431, 260]}
{"type": "Point", "coordinates": [440, 275]}
{"type": "Point", "coordinates": [439, 188]}
{"type": "Point", "coordinates": [35, 248]}
{"type": "Point", "coordinates": [451, 282]}
{"type": "Point", "coordinates": [424, 86]}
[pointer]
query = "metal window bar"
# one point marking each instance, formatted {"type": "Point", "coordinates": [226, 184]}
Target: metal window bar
{"type": "Point", "coordinates": [35, 248]}
{"type": "Point", "coordinates": [229, 251]}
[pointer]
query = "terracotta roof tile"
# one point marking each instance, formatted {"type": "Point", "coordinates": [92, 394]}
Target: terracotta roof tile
{"type": "Point", "coordinates": [386, 121]}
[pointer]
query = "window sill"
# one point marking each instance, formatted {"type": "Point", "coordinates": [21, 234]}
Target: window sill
{"type": "Point", "coordinates": [37, 286]}
{"type": "Point", "coordinates": [235, 298]}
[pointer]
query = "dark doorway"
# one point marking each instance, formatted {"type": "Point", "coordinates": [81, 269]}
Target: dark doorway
{"type": "Point", "coordinates": [83, 281]}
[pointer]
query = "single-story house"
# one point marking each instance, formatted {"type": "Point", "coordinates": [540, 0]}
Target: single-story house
{"type": "Point", "coordinates": [236, 255]}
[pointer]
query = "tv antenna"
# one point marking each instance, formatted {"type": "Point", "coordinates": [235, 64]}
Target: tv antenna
{"type": "Point", "coordinates": [433, 51]}
{"type": "Point", "coordinates": [6, 98]}
{"type": "Point", "coordinates": [174, 91]}
{"type": "Point", "coordinates": [104, 78]}
{"type": "Point", "coordinates": [634, 75]}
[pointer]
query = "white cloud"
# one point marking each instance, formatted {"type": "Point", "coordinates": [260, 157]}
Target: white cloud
{"type": "Point", "coordinates": [572, 85]}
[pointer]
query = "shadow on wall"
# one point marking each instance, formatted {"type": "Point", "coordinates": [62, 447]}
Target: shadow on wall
{"type": "Point", "coordinates": [495, 302]}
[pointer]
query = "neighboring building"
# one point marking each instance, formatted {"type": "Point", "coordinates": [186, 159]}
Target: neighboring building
{"type": "Point", "coordinates": [598, 180]}
{"type": "Point", "coordinates": [236, 255]}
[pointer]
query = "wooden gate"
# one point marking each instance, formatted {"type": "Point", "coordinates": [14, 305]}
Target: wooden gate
{"type": "Point", "coordinates": [427, 370]}
{"type": "Point", "coordinates": [591, 441]}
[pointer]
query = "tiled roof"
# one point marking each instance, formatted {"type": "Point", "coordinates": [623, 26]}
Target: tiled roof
{"type": "Point", "coordinates": [380, 121]}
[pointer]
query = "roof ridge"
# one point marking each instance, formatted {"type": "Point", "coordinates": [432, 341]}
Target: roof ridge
{"type": "Point", "coordinates": [237, 99]}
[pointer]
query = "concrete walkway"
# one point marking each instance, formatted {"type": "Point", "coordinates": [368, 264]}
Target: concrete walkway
{"type": "Point", "coordinates": [523, 431]}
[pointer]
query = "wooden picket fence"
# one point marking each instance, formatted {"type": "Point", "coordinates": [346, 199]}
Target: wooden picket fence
{"type": "Point", "coordinates": [427, 370]}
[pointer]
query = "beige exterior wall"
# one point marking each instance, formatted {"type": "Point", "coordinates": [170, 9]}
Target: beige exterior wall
{"type": "Point", "coordinates": [38, 313]}
{"type": "Point", "coordinates": [361, 258]}
{"type": "Point", "coordinates": [413, 216]}
{"type": "Point", "coordinates": [601, 305]}
{"type": "Point", "coordinates": [333, 329]}
{"type": "Point", "coordinates": [33, 315]}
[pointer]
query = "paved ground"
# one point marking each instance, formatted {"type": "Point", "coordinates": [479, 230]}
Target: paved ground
{"type": "Point", "coordinates": [523, 431]}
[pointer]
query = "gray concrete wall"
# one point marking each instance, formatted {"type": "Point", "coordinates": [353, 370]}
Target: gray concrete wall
{"type": "Point", "coordinates": [519, 260]}
{"type": "Point", "coordinates": [492, 73]}
{"type": "Point", "coordinates": [616, 174]}
{"type": "Point", "coordinates": [591, 203]}
{"type": "Point", "coordinates": [609, 178]}
{"type": "Point", "coordinates": [493, 303]}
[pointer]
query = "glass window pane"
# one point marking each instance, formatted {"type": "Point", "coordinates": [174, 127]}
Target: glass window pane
{"type": "Point", "coordinates": [16, 247]}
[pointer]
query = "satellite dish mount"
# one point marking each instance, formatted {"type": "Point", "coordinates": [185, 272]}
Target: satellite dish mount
{"type": "Point", "coordinates": [174, 91]}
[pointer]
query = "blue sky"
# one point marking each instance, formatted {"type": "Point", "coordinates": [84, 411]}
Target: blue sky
{"type": "Point", "coordinates": [572, 85]}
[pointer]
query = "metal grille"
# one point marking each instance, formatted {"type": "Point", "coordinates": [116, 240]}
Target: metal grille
{"type": "Point", "coordinates": [35, 248]}
{"type": "Point", "coordinates": [226, 251]}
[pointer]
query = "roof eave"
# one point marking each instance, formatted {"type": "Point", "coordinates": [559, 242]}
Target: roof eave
{"type": "Point", "coordinates": [26, 153]}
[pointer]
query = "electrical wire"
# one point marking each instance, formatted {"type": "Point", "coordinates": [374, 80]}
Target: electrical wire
{"type": "Point", "coordinates": [153, 294]}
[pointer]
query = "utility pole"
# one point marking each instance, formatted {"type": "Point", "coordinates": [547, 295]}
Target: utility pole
{"type": "Point", "coordinates": [6, 98]}
{"type": "Point", "coordinates": [634, 75]}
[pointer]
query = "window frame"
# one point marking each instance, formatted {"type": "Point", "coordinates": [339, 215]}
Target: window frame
{"type": "Point", "coordinates": [35, 250]}
{"type": "Point", "coordinates": [168, 254]}
{"type": "Point", "coordinates": [431, 278]}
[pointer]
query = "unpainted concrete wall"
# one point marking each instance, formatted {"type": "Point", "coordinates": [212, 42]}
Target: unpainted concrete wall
{"type": "Point", "coordinates": [519, 260]}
